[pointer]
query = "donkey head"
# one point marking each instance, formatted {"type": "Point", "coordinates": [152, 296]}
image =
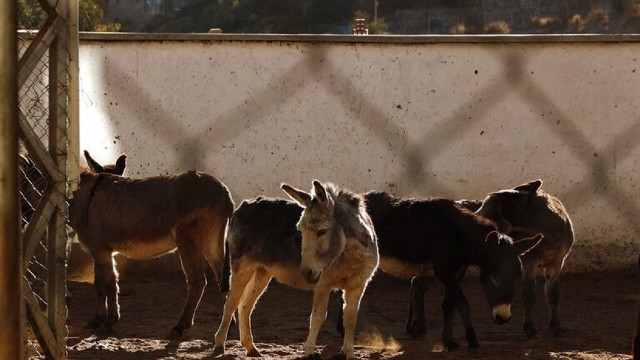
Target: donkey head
{"type": "Point", "coordinates": [323, 239]}
{"type": "Point", "coordinates": [507, 207]}
{"type": "Point", "coordinates": [501, 270]}
{"type": "Point", "coordinates": [117, 168]}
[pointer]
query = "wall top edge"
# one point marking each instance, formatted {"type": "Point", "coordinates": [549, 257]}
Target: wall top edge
{"type": "Point", "coordinates": [329, 38]}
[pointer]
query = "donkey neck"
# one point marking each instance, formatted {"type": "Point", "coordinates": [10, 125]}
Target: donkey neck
{"type": "Point", "coordinates": [472, 246]}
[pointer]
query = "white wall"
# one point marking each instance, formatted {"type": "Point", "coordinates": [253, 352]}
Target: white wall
{"type": "Point", "coordinates": [415, 117]}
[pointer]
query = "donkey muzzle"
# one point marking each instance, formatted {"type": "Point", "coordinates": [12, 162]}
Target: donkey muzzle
{"type": "Point", "coordinates": [310, 276]}
{"type": "Point", "coordinates": [501, 313]}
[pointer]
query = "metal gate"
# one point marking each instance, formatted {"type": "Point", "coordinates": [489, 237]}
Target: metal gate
{"type": "Point", "coordinates": [44, 90]}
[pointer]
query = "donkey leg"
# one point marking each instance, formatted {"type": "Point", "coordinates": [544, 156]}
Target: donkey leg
{"type": "Point", "coordinates": [101, 303]}
{"type": "Point", "coordinates": [252, 293]}
{"type": "Point", "coordinates": [192, 260]}
{"type": "Point", "coordinates": [352, 304]}
{"type": "Point", "coordinates": [240, 276]}
{"type": "Point", "coordinates": [106, 285]}
{"type": "Point", "coordinates": [318, 315]}
{"type": "Point", "coordinates": [340, 321]}
{"type": "Point", "coordinates": [454, 299]}
{"type": "Point", "coordinates": [464, 309]}
{"type": "Point", "coordinates": [416, 318]}
{"type": "Point", "coordinates": [448, 310]}
{"type": "Point", "coordinates": [113, 314]}
{"type": "Point", "coordinates": [552, 292]}
{"type": "Point", "coordinates": [529, 298]}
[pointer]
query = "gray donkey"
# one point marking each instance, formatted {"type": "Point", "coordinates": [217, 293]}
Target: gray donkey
{"type": "Point", "coordinates": [324, 242]}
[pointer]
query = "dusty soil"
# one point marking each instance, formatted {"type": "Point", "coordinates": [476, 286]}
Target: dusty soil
{"type": "Point", "coordinates": [598, 310]}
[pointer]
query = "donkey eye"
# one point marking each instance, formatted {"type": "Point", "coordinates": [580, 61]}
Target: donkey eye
{"type": "Point", "coordinates": [321, 232]}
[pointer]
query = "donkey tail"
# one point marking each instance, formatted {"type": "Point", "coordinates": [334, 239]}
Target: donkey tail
{"type": "Point", "coordinates": [226, 270]}
{"type": "Point", "coordinates": [216, 252]}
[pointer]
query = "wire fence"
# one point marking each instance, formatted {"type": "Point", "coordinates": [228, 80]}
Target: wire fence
{"type": "Point", "coordinates": [43, 123]}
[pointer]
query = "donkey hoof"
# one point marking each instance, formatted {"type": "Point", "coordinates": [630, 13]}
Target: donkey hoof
{"type": "Point", "coordinates": [108, 328]}
{"type": "Point", "coordinates": [218, 350]}
{"type": "Point", "coordinates": [340, 356]}
{"type": "Point", "coordinates": [416, 329]}
{"type": "Point", "coordinates": [417, 333]}
{"type": "Point", "coordinates": [312, 356]}
{"type": "Point", "coordinates": [559, 331]}
{"type": "Point", "coordinates": [175, 333]}
{"type": "Point", "coordinates": [93, 324]}
{"type": "Point", "coordinates": [253, 353]}
{"type": "Point", "coordinates": [530, 330]}
{"type": "Point", "coordinates": [451, 346]}
{"type": "Point", "coordinates": [474, 350]}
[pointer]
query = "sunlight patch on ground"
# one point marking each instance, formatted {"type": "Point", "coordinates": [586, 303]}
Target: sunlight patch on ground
{"type": "Point", "coordinates": [127, 344]}
{"type": "Point", "coordinates": [588, 355]}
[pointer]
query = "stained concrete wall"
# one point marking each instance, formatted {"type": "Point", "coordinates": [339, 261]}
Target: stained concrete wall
{"type": "Point", "coordinates": [418, 116]}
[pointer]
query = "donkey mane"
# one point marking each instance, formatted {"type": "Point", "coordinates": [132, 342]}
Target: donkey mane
{"type": "Point", "coordinates": [389, 212]}
{"type": "Point", "coordinates": [345, 201]}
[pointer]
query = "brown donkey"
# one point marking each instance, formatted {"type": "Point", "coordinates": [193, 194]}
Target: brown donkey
{"type": "Point", "coordinates": [146, 218]}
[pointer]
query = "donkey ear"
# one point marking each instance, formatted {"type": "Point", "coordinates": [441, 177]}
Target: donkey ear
{"type": "Point", "coordinates": [121, 163]}
{"type": "Point", "coordinates": [492, 239]}
{"type": "Point", "coordinates": [321, 194]}
{"type": "Point", "coordinates": [93, 165]}
{"type": "Point", "coordinates": [525, 245]}
{"type": "Point", "coordinates": [530, 187]}
{"type": "Point", "coordinates": [299, 196]}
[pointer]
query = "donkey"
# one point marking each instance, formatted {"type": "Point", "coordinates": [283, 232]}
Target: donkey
{"type": "Point", "coordinates": [148, 217]}
{"type": "Point", "coordinates": [333, 247]}
{"type": "Point", "coordinates": [420, 237]}
{"type": "Point", "coordinates": [635, 344]}
{"type": "Point", "coordinates": [117, 168]}
{"type": "Point", "coordinates": [416, 321]}
{"type": "Point", "coordinates": [524, 211]}
{"type": "Point", "coordinates": [33, 182]}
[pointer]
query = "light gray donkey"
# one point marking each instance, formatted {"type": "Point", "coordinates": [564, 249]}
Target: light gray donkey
{"type": "Point", "coordinates": [333, 247]}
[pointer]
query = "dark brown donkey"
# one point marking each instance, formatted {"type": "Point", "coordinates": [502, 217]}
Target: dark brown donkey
{"type": "Point", "coordinates": [635, 345]}
{"type": "Point", "coordinates": [419, 237]}
{"type": "Point", "coordinates": [148, 217]}
{"type": "Point", "coordinates": [521, 212]}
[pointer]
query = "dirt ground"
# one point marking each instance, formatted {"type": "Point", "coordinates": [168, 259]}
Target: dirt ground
{"type": "Point", "coordinates": [598, 310]}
